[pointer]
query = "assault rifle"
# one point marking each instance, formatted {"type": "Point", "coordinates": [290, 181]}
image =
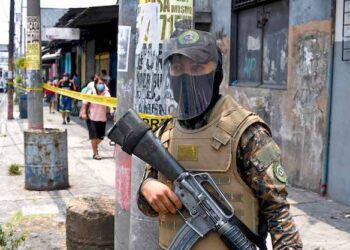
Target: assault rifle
{"type": "Point", "coordinates": [205, 207]}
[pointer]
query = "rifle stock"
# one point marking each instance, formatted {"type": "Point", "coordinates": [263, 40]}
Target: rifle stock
{"type": "Point", "coordinates": [135, 137]}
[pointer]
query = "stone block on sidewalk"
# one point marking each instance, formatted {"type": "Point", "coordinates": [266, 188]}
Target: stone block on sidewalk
{"type": "Point", "coordinates": [90, 223]}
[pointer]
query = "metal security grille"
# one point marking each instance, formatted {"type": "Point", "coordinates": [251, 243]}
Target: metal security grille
{"type": "Point", "coordinates": [261, 43]}
{"type": "Point", "coordinates": [346, 31]}
{"type": "Point", "coordinates": [241, 4]}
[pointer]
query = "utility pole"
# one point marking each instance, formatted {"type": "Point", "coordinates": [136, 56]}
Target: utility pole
{"type": "Point", "coordinates": [125, 79]}
{"type": "Point", "coordinates": [154, 22]}
{"type": "Point", "coordinates": [21, 44]}
{"type": "Point", "coordinates": [20, 31]}
{"type": "Point", "coordinates": [10, 62]}
{"type": "Point", "coordinates": [33, 56]}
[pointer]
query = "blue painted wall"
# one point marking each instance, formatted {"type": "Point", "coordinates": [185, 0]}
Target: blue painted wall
{"type": "Point", "coordinates": [68, 63]}
{"type": "Point", "coordinates": [339, 158]}
{"type": "Point", "coordinates": [304, 11]}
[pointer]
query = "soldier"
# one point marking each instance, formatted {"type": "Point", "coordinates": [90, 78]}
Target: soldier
{"type": "Point", "coordinates": [213, 133]}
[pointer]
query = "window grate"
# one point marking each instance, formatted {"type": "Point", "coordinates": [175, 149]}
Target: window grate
{"type": "Point", "coordinates": [242, 4]}
{"type": "Point", "coordinates": [346, 31]}
{"type": "Point", "coordinates": [261, 43]}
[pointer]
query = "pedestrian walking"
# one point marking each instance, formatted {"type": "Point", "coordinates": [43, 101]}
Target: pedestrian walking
{"type": "Point", "coordinates": [57, 101]}
{"type": "Point", "coordinates": [96, 115]}
{"type": "Point", "coordinates": [76, 104]}
{"type": "Point", "coordinates": [76, 81]}
{"type": "Point", "coordinates": [50, 97]}
{"type": "Point", "coordinates": [106, 77]}
{"type": "Point", "coordinates": [65, 101]}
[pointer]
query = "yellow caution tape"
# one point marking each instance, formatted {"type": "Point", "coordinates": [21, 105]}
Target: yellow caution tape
{"type": "Point", "coordinates": [102, 100]}
{"type": "Point", "coordinates": [34, 89]}
{"type": "Point", "coordinates": [152, 120]}
{"type": "Point", "coordinates": [27, 89]}
{"type": "Point", "coordinates": [19, 86]}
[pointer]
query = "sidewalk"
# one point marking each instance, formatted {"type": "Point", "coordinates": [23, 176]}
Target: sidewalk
{"type": "Point", "coordinates": [323, 224]}
{"type": "Point", "coordinates": [87, 177]}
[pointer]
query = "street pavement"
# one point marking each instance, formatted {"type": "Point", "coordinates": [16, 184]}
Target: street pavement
{"type": "Point", "coordinates": [87, 177]}
{"type": "Point", "coordinates": [323, 223]}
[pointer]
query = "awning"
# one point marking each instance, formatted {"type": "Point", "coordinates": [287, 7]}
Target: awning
{"type": "Point", "coordinates": [48, 56]}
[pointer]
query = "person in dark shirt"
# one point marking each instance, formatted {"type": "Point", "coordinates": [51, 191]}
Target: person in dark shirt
{"type": "Point", "coordinates": [65, 101]}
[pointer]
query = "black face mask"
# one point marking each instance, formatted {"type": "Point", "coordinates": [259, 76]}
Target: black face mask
{"type": "Point", "coordinates": [193, 94]}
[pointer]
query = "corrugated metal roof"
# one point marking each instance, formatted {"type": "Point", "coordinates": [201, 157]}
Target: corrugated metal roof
{"type": "Point", "coordinates": [76, 18]}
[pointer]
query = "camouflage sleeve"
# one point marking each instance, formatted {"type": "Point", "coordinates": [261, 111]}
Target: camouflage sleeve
{"type": "Point", "coordinates": [142, 203]}
{"type": "Point", "coordinates": [260, 167]}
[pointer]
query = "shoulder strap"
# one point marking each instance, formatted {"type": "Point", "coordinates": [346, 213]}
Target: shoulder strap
{"type": "Point", "coordinates": [163, 131]}
{"type": "Point", "coordinates": [228, 126]}
{"type": "Point", "coordinates": [161, 126]}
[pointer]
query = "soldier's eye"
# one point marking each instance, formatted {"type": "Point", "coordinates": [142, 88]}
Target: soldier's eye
{"type": "Point", "coordinates": [197, 68]}
{"type": "Point", "coordinates": [176, 68]}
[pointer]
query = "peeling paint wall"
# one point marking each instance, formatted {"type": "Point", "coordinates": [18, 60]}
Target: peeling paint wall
{"type": "Point", "coordinates": [306, 96]}
{"type": "Point", "coordinates": [297, 114]}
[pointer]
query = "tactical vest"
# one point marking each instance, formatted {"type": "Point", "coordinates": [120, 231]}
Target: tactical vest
{"type": "Point", "coordinates": [212, 149]}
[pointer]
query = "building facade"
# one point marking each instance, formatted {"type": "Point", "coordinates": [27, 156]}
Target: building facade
{"type": "Point", "coordinates": [282, 62]}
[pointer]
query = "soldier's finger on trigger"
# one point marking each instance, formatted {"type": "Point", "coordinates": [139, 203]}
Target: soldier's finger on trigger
{"type": "Point", "coordinates": [161, 206]}
{"type": "Point", "coordinates": [168, 204]}
{"type": "Point", "coordinates": [174, 199]}
{"type": "Point", "coordinates": [155, 207]}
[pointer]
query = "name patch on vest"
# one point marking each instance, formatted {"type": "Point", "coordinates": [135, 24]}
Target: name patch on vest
{"type": "Point", "coordinates": [187, 152]}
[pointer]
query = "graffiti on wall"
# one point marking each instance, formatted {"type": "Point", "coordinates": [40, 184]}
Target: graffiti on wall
{"type": "Point", "coordinates": [309, 93]}
{"type": "Point", "coordinates": [156, 21]}
{"type": "Point", "coordinates": [310, 73]}
{"type": "Point", "coordinates": [249, 66]}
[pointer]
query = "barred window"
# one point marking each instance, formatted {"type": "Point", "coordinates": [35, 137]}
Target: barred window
{"type": "Point", "coordinates": [260, 43]}
{"type": "Point", "coordinates": [239, 4]}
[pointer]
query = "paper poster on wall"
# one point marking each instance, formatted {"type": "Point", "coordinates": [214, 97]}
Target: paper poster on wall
{"type": "Point", "coordinates": [156, 21]}
{"type": "Point", "coordinates": [124, 33]}
{"type": "Point", "coordinates": [33, 56]}
{"type": "Point", "coordinates": [170, 11]}
{"type": "Point", "coordinates": [33, 43]}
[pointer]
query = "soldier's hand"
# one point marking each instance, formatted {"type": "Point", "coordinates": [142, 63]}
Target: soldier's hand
{"type": "Point", "coordinates": [161, 198]}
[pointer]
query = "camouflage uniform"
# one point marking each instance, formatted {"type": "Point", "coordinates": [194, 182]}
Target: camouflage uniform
{"type": "Point", "coordinates": [269, 187]}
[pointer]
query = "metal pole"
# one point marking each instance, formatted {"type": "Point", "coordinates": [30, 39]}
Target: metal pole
{"type": "Point", "coordinates": [33, 55]}
{"type": "Point", "coordinates": [125, 79]}
{"type": "Point", "coordinates": [20, 31]}
{"type": "Point", "coordinates": [10, 62]}
{"type": "Point", "coordinates": [155, 23]}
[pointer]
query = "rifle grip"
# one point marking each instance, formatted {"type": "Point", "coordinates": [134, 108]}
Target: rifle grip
{"type": "Point", "coordinates": [234, 238]}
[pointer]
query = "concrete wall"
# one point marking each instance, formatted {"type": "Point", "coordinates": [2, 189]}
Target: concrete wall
{"type": "Point", "coordinates": [339, 158]}
{"type": "Point", "coordinates": [297, 114]}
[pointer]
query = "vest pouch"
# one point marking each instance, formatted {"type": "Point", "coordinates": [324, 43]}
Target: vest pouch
{"type": "Point", "coordinates": [200, 155]}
